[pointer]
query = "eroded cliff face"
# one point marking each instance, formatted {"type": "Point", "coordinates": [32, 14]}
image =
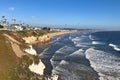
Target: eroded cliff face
{"type": "Point", "coordinates": [33, 39]}
{"type": "Point", "coordinates": [44, 38]}
{"type": "Point", "coordinates": [36, 68]}
{"type": "Point", "coordinates": [31, 50]}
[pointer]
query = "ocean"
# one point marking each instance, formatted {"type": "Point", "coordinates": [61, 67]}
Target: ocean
{"type": "Point", "coordinates": [82, 56]}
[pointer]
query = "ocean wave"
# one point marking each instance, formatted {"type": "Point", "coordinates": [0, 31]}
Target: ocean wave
{"type": "Point", "coordinates": [78, 53]}
{"type": "Point", "coordinates": [91, 37]}
{"type": "Point", "coordinates": [78, 57]}
{"type": "Point", "coordinates": [84, 36]}
{"type": "Point", "coordinates": [81, 45]}
{"type": "Point", "coordinates": [76, 39]}
{"type": "Point", "coordinates": [65, 49]}
{"type": "Point", "coordinates": [63, 62]}
{"type": "Point", "coordinates": [104, 63]}
{"type": "Point", "coordinates": [70, 37]}
{"type": "Point", "coordinates": [115, 47]}
{"type": "Point", "coordinates": [73, 71]}
{"type": "Point", "coordinates": [54, 63]}
{"type": "Point", "coordinates": [106, 77]}
{"type": "Point", "coordinates": [97, 42]}
{"type": "Point", "coordinates": [60, 54]}
{"type": "Point", "coordinates": [55, 39]}
{"type": "Point", "coordinates": [80, 42]}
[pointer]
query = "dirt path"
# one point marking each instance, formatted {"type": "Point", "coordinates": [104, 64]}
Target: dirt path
{"type": "Point", "coordinates": [15, 46]}
{"type": "Point", "coordinates": [17, 50]}
{"type": "Point", "coordinates": [12, 39]}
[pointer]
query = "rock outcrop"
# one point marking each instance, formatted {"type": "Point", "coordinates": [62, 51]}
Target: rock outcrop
{"type": "Point", "coordinates": [31, 51]}
{"type": "Point", "coordinates": [30, 39]}
{"type": "Point", "coordinates": [44, 38]}
{"type": "Point", "coordinates": [33, 39]}
{"type": "Point", "coordinates": [36, 68]}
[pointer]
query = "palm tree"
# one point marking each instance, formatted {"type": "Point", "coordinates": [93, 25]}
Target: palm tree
{"type": "Point", "coordinates": [14, 20]}
{"type": "Point", "coordinates": [3, 19]}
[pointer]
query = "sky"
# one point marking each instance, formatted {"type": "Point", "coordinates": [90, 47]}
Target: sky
{"type": "Point", "coordinates": [96, 14]}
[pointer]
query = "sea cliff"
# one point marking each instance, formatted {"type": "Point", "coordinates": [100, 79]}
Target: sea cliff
{"type": "Point", "coordinates": [18, 60]}
{"type": "Point", "coordinates": [25, 62]}
{"type": "Point", "coordinates": [44, 38]}
{"type": "Point", "coordinates": [36, 68]}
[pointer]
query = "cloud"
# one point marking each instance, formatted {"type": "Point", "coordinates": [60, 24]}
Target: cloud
{"type": "Point", "coordinates": [11, 8]}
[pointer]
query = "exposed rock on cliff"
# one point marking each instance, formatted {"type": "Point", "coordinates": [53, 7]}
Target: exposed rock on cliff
{"type": "Point", "coordinates": [44, 38]}
{"type": "Point", "coordinates": [37, 68]}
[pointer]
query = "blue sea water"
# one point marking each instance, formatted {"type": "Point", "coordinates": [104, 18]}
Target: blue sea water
{"type": "Point", "coordinates": [83, 56]}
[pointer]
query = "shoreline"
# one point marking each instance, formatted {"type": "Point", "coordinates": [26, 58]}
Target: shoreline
{"type": "Point", "coordinates": [44, 38]}
{"type": "Point", "coordinates": [33, 40]}
{"type": "Point", "coordinates": [59, 33]}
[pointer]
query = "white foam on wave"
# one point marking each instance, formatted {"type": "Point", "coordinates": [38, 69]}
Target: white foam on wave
{"type": "Point", "coordinates": [81, 45]}
{"type": "Point", "coordinates": [91, 37]}
{"type": "Point", "coordinates": [80, 42]}
{"type": "Point", "coordinates": [72, 71]}
{"type": "Point", "coordinates": [115, 47]}
{"type": "Point", "coordinates": [97, 42]}
{"type": "Point", "coordinates": [70, 37]}
{"type": "Point", "coordinates": [56, 39]}
{"type": "Point", "coordinates": [65, 49]}
{"type": "Point", "coordinates": [76, 39]}
{"type": "Point", "coordinates": [60, 54]}
{"type": "Point", "coordinates": [78, 53]}
{"type": "Point", "coordinates": [63, 62]}
{"type": "Point", "coordinates": [83, 36]}
{"type": "Point", "coordinates": [54, 63]}
{"type": "Point", "coordinates": [105, 63]}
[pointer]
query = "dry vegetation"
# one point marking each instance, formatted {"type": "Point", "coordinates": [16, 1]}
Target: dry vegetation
{"type": "Point", "coordinates": [12, 67]}
{"type": "Point", "coordinates": [7, 58]}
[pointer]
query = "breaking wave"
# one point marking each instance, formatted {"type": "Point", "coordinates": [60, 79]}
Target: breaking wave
{"type": "Point", "coordinates": [81, 41]}
{"type": "Point", "coordinates": [108, 65]}
{"type": "Point", "coordinates": [84, 55]}
{"type": "Point", "coordinates": [91, 37]}
{"type": "Point", "coordinates": [97, 42]}
{"type": "Point", "coordinates": [74, 71]}
{"type": "Point", "coordinates": [60, 54]}
{"type": "Point", "coordinates": [115, 47]}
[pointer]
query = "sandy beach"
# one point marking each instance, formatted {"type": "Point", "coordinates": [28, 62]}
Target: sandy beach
{"type": "Point", "coordinates": [45, 38]}
{"type": "Point", "coordinates": [51, 35]}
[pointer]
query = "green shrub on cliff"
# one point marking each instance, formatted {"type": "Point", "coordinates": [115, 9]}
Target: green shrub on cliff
{"type": "Point", "coordinates": [36, 59]}
{"type": "Point", "coordinates": [27, 33]}
{"type": "Point", "coordinates": [22, 71]}
{"type": "Point", "coordinates": [23, 33]}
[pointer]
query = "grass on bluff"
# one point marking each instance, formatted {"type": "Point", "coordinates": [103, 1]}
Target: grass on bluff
{"type": "Point", "coordinates": [8, 59]}
{"type": "Point", "coordinates": [12, 67]}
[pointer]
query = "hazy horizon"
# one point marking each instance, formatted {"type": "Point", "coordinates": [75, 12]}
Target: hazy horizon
{"type": "Point", "coordinates": [93, 14]}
